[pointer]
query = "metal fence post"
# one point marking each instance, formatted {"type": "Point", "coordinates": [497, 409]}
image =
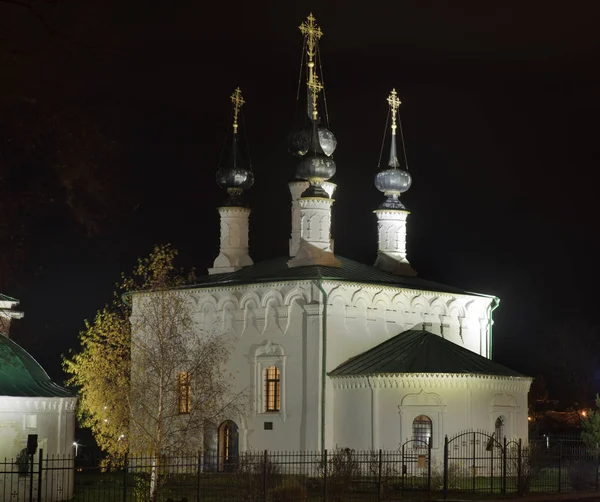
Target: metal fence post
{"type": "Point", "coordinates": [403, 469]}
{"type": "Point", "coordinates": [324, 476]}
{"type": "Point", "coordinates": [492, 466]}
{"type": "Point", "coordinates": [30, 475]}
{"type": "Point", "coordinates": [198, 471]}
{"type": "Point", "coordinates": [519, 466]}
{"type": "Point", "coordinates": [559, 464]}
{"type": "Point", "coordinates": [265, 458]}
{"type": "Point", "coordinates": [445, 467]}
{"type": "Point", "coordinates": [504, 455]}
{"type": "Point", "coordinates": [125, 468]}
{"type": "Point", "coordinates": [379, 478]}
{"type": "Point", "coordinates": [474, 465]}
{"type": "Point", "coordinates": [40, 467]}
{"type": "Point", "coordinates": [429, 467]}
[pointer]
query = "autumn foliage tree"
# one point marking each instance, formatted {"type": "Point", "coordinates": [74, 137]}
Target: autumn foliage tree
{"type": "Point", "coordinates": [149, 376]}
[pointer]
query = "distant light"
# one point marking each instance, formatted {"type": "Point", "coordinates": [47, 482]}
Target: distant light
{"type": "Point", "coordinates": [122, 436]}
{"type": "Point", "coordinates": [584, 413]}
{"type": "Point", "coordinates": [529, 418]}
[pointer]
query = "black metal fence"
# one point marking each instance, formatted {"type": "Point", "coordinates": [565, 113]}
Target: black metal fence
{"type": "Point", "coordinates": [473, 461]}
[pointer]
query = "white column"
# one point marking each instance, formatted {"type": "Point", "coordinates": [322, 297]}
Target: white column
{"type": "Point", "coordinates": [296, 190]}
{"type": "Point", "coordinates": [315, 246]}
{"type": "Point", "coordinates": [233, 254]}
{"type": "Point", "coordinates": [391, 250]}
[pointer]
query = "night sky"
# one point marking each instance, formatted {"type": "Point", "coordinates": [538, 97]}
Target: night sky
{"type": "Point", "coordinates": [500, 105]}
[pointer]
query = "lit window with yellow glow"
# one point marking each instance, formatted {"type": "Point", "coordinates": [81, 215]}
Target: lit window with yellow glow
{"type": "Point", "coordinates": [272, 389]}
{"type": "Point", "coordinates": [184, 389]}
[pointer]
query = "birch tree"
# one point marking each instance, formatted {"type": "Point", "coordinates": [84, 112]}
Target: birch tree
{"type": "Point", "coordinates": [149, 377]}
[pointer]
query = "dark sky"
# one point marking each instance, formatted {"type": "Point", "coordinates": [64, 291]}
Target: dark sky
{"type": "Point", "coordinates": [500, 106]}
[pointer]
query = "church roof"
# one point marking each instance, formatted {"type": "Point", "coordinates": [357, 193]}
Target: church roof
{"type": "Point", "coordinates": [419, 351]}
{"type": "Point", "coordinates": [276, 270]}
{"type": "Point", "coordinates": [22, 376]}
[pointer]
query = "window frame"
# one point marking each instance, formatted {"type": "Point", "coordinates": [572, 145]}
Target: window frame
{"type": "Point", "coordinates": [417, 429]}
{"type": "Point", "coordinates": [272, 389]}
{"type": "Point", "coordinates": [184, 392]}
{"type": "Point", "coordinates": [265, 356]}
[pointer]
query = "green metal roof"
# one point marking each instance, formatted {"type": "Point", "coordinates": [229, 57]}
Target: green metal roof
{"type": "Point", "coordinates": [5, 298]}
{"type": "Point", "coordinates": [351, 271]}
{"type": "Point", "coordinates": [22, 376]}
{"type": "Point", "coordinates": [419, 351]}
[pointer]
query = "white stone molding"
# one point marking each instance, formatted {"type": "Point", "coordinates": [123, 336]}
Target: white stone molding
{"type": "Point", "coordinates": [315, 234]}
{"type": "Point", "coordinates": [391, 247]}
{"type": "Point", "coordinates": [233, 254]}
{"type": "Point", "coordinates": [265, 355]}
{"type": "Point", "coordinates": [423, 403]}
{"type": "Point", "coordinates": [432, 381]}
{"type": "Point", "coordinates": [38, 404]}
{"type": "Point", "coordinates": [296, 189]}
{"type": "Point", "coordinates": [504, 405]}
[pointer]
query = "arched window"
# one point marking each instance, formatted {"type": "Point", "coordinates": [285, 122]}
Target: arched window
{"type": "Point", "coordinates": [499, 429]}
{"type": "Point", "coordinates": [422, 431]}
{"type": "Point", "coordinates": [228, 446]}
{"type": "Point", "coordinates": [272, 389]}
{"type": "Point", "coordinates": [184, 392]}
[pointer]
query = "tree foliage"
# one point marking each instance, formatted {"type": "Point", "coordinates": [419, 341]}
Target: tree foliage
{"type": "Point", "coordinates": [131, 358]}
{"type": "Point", "coordinates": [590, 427]}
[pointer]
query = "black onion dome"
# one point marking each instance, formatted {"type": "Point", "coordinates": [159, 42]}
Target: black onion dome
{"type": "Point", "coordinates": [316, 163]}
{"type": "Point", "coordinates": [235, 175]}
{"type": "Point", "coordinates": [299, 141]}
{"type": "Point", "coordinates": [393, 181]}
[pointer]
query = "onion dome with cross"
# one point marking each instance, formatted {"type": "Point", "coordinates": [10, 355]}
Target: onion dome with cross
{"type": "Point", "coordinates": [235, 174]}
{"type": "Point", "coordinates": [396, 179]}
{"type": "Point", "coordinates": [314, 143]}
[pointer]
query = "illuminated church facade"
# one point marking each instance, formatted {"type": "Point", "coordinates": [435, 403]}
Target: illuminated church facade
{"type": "Point", "coordinates": [336, 353]}
{"type": "Point", "coordinates": [36, 415]}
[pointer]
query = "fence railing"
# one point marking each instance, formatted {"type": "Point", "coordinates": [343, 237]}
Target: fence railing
{"type": "Point", "coordinates": [472, 461]}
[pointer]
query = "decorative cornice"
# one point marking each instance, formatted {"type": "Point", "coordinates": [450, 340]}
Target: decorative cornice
{"type": "Point", "coordinates": [432, 380]}
{"type": "Point", "coordinates": [38, 404]}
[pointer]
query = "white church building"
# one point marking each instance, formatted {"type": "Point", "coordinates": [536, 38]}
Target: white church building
{"type": "Point", "coordinates": [34, 412]}
{"type": "Point", "coordinates": [337, 353]}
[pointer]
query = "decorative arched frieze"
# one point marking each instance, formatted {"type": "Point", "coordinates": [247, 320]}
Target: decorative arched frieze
{"type": "Point", "coordinates": [272, 296]}
{"type": "Point", "coordinates": [437, 306]}
{"type": "Point", "coordinates": [227, 316]}
{"type": "Point", "coordinates": [204, 299]}
{"type": "Point", "coordinates": [272, 316]}
{"type": "Point", "coordinates": [400, 302]}
{"type": "Point", "coordinates": [455, 309]}
{"type": "Point", "coordinates": [434, 380]}
{"type": "Point", "coordinates": [360, 297]}
{"type": "Point", "coordinates": [295, 295]}
{"type": "Point", "coordinates": [419, 304]}
{"type": "Point", "coordinates": [381, 300]}
{"type": "Point", "coordinates": [251, 298]}
{"type": "Point", "coordinates": [228, 299]}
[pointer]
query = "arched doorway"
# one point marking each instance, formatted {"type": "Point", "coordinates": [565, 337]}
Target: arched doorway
{"type": "Point", "coordinates": [228, 446]}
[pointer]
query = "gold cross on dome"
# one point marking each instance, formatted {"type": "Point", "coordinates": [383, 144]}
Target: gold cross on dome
{"type": "Point", "coordinates": [315, 87]}
{"type": "Point", "coordinates": [394, 103]}
{"type": "Point", "coordinates": [311, 29]}
{"type": "Point", "coordinates": [238, 101]}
